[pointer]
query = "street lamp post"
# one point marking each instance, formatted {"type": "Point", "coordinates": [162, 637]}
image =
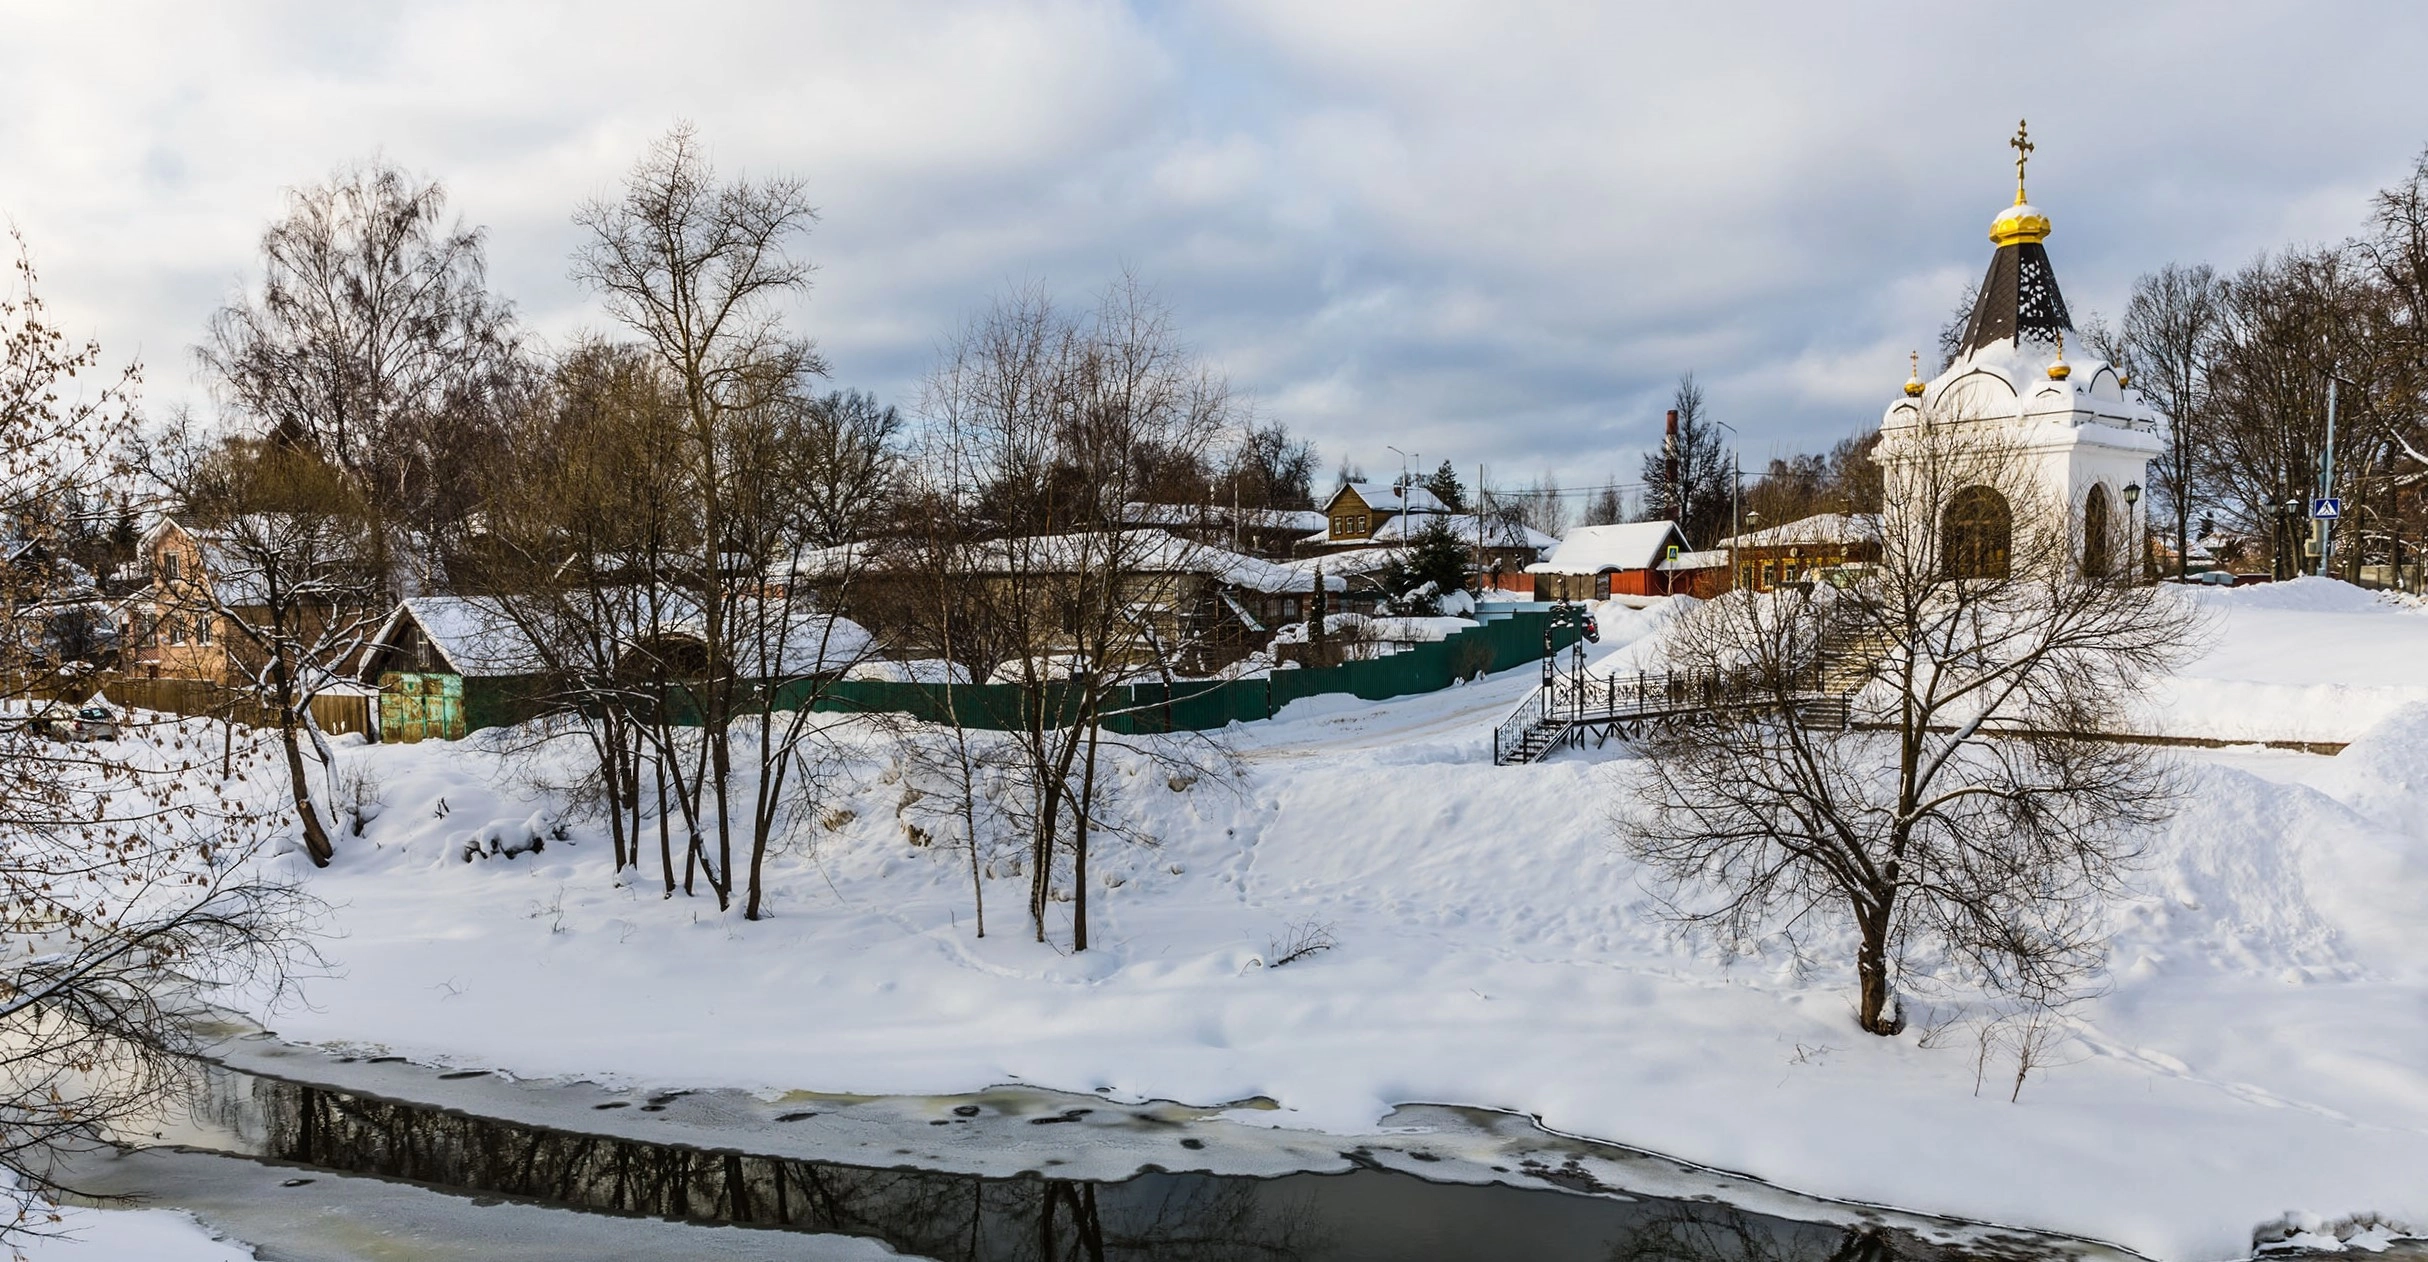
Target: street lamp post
{"type": "Point", "coordinates": [2132, 494]}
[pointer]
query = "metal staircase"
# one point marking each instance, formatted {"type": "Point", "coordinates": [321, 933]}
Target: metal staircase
{"type": "Point", "coordinates": [1567, 708]}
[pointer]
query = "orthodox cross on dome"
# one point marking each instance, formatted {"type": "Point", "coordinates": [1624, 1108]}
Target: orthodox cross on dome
{"type": "Point", "coordinates": [2022, 145]}
{"type": "Point", "coordinates": [2018, 300]}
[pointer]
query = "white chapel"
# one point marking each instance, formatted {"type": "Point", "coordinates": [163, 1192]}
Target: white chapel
{"type": "Point", "coordinates": [2085, 438]}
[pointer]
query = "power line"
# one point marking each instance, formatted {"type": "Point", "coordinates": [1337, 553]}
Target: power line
{"type": "Point", "coordinates": [1566, 491]}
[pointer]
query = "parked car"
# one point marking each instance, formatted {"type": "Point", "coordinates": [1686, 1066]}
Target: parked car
{"type": "Point", "coordinates": [60, 721]}
{"type": "Point", "coordinates": [55, 720]}
{"type": "Point", "coordinates": [96, 723]}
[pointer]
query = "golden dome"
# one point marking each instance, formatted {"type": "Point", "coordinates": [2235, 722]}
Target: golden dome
{"type": "Point", "coordinates": [1913, 382]}
{"type": "Point", "coordinates": [2021, 222]}
{"type": "Point", "coordinates": [2059, 370]}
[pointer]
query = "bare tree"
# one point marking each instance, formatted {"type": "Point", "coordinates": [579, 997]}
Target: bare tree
{"type": "Point", "coordinates": [1608, 507]}
{"type": "Point", "coordinates": [1970, 812]}
{"type": "Point", "coordinates": [1271, 468]}
{"type": "Point", "coordinates": [2397, 250]}
{"type": "Point", "coordinates": [2287, 323]}
{"type": "Point", "coordinates": [586, 507]}
{"type": "Point", "coordinates": [292, 581]}
{"type": "Point", "coordinates": [2165, 346]}
{"type": "Point", "coordinates": [1951, 331]}
{"type": "Point", "coordinates": [847, 466]}
{"type": "Point", "coordinates": [1539, 505]}
{"type": "Point", "coordinates": [1040, 428]}
{"type": "Point", "coordinates": [373, 341]}
{"type": "Point", "coordinates": [127, 888]}
{"type": "Point", "coordinates": [700, 268]}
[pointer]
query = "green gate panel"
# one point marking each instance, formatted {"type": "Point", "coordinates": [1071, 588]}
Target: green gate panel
{"type": "Point", "coordinates": [417, 707]}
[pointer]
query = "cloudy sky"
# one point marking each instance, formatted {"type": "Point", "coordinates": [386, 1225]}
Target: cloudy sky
{"type": "Point", "coordinates": [1490, 232]}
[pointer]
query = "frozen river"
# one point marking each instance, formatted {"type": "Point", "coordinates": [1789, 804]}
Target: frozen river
{"type": "Point", "coordinates": [318, 1157]}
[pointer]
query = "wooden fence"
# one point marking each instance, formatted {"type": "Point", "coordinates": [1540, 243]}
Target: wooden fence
{"type": "Point", "coordinates": [337, 714]}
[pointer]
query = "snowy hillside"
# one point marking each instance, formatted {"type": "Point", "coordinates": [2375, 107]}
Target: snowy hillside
{"type": "Point", "coordinates": [2257, 1050]}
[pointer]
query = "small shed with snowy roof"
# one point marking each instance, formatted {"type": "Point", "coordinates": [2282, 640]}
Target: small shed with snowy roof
{"type": "Point", "coordinates": [1598, 562]}
{"type": "Point", "coordinates": [447, 665]}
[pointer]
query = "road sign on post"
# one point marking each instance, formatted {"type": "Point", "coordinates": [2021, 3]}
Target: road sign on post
{"type": "Point", "coordinates": [2327, 509]}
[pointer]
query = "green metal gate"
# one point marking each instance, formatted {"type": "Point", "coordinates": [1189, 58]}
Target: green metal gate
{"type": "Point", "coordinates": [415, 707]}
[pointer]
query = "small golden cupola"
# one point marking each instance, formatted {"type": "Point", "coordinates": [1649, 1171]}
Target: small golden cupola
{"type": "Point", "coordinates": [2059, 370]}
{"type": "Point", "coordinates": [1913, 378]}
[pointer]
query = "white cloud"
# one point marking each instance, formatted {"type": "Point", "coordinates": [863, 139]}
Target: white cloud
{"type": "Point", "coordinates": [1487, 232]}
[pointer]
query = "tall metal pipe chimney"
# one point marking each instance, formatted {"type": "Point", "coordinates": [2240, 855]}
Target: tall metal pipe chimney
{"type": "Point", "coordinates": [1669, 450]}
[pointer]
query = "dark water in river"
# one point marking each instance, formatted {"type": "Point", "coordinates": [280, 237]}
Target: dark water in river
{"type": "Point", "coordinates": [1366, 1213]}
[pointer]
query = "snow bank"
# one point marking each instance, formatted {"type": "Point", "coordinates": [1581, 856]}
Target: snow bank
{"type": "Point", "coordinates": [2256, 1051]}
{"type": "Point", "coordinates": [129, 1235]}
{"type": "Point", "coordinates": [2308, 660]}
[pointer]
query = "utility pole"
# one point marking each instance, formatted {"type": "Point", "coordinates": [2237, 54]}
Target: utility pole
{"type": "Point", "coordinates": [2325, 527]}
{"type": "Point", "coordinates": [1736, 516]}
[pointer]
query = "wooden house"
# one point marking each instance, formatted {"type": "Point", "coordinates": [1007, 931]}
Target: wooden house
{"type": "Point", "coordinates": [446, 666]}
{"type": "Point", "coordinates": [1195, 607]}
{"type": "Point", "coordinates": [1265, 532]}
{"type": "Point", "coordinates": [1598, 562]}
{"type": "Point", "coordinates": [1804, 550]}
{"type": "Point", "coordinates": [449, 665]}
{"type": "Point", "coordinates": [1360, 515]}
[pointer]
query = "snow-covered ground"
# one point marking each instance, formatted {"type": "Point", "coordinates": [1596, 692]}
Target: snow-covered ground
{"type": "Point", "coordinates": [2261, 1047]}
{"type": "Point", "coordinates": [2309, 660]}
{"type": "Point", "coordinates": [126, 1235]}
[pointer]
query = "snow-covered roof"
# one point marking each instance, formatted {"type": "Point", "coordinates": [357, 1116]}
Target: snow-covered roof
{"type": "Point", "coordinates": [1141, 551]}
{"type": "Point", "coordinates": [1708, 559]}
{"type": "Point", "coordinates": [1839, 528]}
{"type": "Point", "coordinates": [1140, 514]}
{"type": "Point", "coordinates": [1400, 529]}
{"type": "Point", "coordinates": [1383, 497]}
{"type": "Point", "coordinates": [1300, 574]}
{"type": "Point", "coordinates": [476, 636]}
{"type": "Point", "coordinates": [2008, 381]}
{"type": "Point", "coordinates": [1634, 545]}
{"type": "Point", "coordinates": [480, 637]}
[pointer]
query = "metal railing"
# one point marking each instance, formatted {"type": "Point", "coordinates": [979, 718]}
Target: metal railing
{"type": "Point", "coordinates": [1509, 738]}
{"type": "Point", "coordinates": [1571, 701]}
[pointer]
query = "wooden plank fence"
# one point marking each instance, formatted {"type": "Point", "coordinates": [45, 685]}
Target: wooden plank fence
{"type": "Point", "coordinates": [337, 714]}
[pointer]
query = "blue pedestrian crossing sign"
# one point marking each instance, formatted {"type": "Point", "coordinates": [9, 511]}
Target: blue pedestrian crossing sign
{"type": "Point", "coordinates": [2327, 509]}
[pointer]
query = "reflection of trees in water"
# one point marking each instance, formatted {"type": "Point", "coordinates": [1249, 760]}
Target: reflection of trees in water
{"type": "Point", "coordinates": [958, 1218]}
{"type": "Point", "coordinates": [1702, 1231]}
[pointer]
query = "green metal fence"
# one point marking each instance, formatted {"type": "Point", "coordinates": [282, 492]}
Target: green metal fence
{"type": "Point", "coordinates": [1513, 639]}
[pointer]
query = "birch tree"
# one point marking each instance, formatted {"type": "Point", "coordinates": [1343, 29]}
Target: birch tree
{"type": "Point", "coordinates": [371, 339]}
